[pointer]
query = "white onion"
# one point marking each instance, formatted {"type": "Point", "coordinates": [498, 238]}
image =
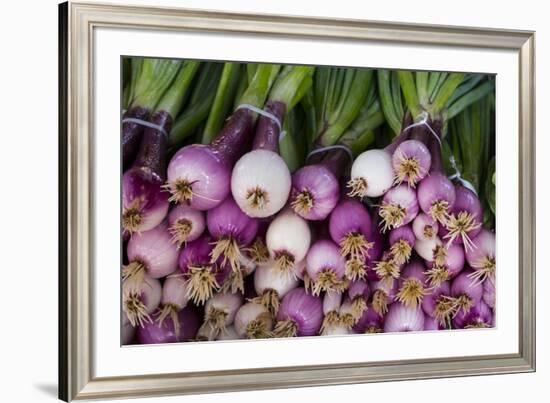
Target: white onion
{"type": "Point", "coordinates": [267, 277]}
{"type": "Point", "coordinates": [336, 330]}
{"type": "Point", "coordinates": [426, 248]}
{"type": "Point", "coordinates": [374, 167]}
{"type": "Point", "coordinates": [264, 174]}
{"type": "Point", "coordinates": [253, 314]}
{"type": "Point", "coordinates": [419, 225]}
{"type": "Point", "coordinates": [331, 302]}
{"type": "Point", "coordinates": [288, 238]}
{"type": "Point", "coordinates": [228, 333]}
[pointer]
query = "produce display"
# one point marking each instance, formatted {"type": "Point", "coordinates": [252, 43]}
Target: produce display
{"type": "Point", "coordinates": [264, 201]}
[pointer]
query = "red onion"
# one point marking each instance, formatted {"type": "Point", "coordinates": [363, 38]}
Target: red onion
{"type": "Point", "coordinates": [331, 309]}
{"type": "Point", "coordinates": [436, 196]}
{"type": "Point", "coordinates": [370, 322]}
{"type": "Point", "coordinates": [150, 253]}
{"type": "Point", "coordinates": [232, 230]}
{"type": "Point", "coordinates": [387, 268]}
{"type": "Point", "coordinates": [144, 204]}
{"type": "Point", "coordinates": [175, 296]}
{"type": "Point", "coordinates": [253, 321]}
{"type": "Point", "coordinates": [466, 292]}
{"type": "Point", "coordinates": [271, 286]}
{"type": "Point", "coordinates": [479, 316]}
{"type": "Point", "coordinates": [350, 227]}
{"type": "Point", "coordinates": [185, 224]}
{"type": "Point", "coordinates": [489, 292]}
{"type": "Point", "coordinates": [401, 318]}
{"type": "Point", "coordinates": [153, 333]}
{"type": "Point", "coordinates": [411, 162]}
{"type": "Point", "coordinates": [439, 304]}
{"type": "Point", "coordinates": [219, 312]}
{"type": "Point", "coordinates": [425, 227]}
{"type": "Point", "coordinates": [348, 314]}
{"type": "Point", "coordinates": [447, 262]}
{"type": "Point", "coordinates": [464, 222]}
{"type": "Point", "coordinates": [432, 323]}
{"type": "Point", "coordinates": [138, 305]}
{"type": "Point", "coordinates": [399, 207]}
{"type": "Point", "coordinates": [203, 277]}
{"type": "Point", "coordinates": [412, 288]}
{"type": "Point", "coordinates": [288, 238]}
{"type": "Point", "coordinates": [128, 333]}
{"type": "Point", "coordinates": [383, 295]}
{"type": "Point", "coordinates": [325, 266]}
{"type": "Point", "coordinates": [402, 240]}
{"type": "Point", "coordinates": [358, 293]}
{"type": "Point", "coordinates": [482, 257]}
{"type": "Point", "coordinates": [300, 314]}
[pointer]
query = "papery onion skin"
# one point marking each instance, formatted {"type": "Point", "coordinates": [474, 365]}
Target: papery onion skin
{"type": "Point", "coordinates": [305, 310]}
{"type": "Point", "coordinates": [401, 318]}
{"type": "Point", "coordinates": [184, 215]}
{"type": "Point", "coordinates": [263, 172]}
{"type": "Point", "coordinates": [407, 153]}
{"type": "Point", "coordinates": [479, 315]}
{"type": "Point", "coordinates": [152, 333]}
{"type": "Point", "coordinates": [318, 185]}
{"type": "Point", "coordinates": [144, 203]}
{"type": "Point", "coordinates": [372, 173]}
{"type": "Point", "coordinates": [155, 250]}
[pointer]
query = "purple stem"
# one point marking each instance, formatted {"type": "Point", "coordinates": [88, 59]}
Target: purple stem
{"type": "Point", "coordinates": [235, 137]}
{"type": "Point", "coordinates": [152, 151]}
{"type": "Point", "coordinates": [131, 133]}
{"type": "Point", "coordinates": [435, 149]}
{"type": "Point", "coordinates": [267, 131]}
{"type": "Point", "coordinates": [336, 161]}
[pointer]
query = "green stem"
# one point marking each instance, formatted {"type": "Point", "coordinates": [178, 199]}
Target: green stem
{"type": "Point", "coordinates": [173, 98]}
{"type": "Point", "coordinates": [408, 87]}
{"type": "Point", "coordinates": [422, 87]}
{"type": "Point", "coordinates": [155, 77]}
{"type": "Point", "coordinates": [223, 100]}
{"type": "Point", "coordinates": [386, 100]}
{"type": "Point", "coordinates": [446, 91]}
{"type": "Point", "coordinates": [286, 86]}
{"type": "Point", "coordinates": [470, 97]}
{"type": "Point", "coordinates": [259, 86]}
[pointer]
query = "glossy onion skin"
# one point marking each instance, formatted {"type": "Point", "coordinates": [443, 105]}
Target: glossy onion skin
{"type": "Point", "coordinates": [303, 309]}
{"type": "Point", "coordinates": [322, 184]}
{"type": "Point", "coordinates": [403, 319]}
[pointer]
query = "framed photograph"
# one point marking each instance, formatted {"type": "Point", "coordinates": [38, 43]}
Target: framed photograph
{"type": "Point", "coordinates": [264, 201]}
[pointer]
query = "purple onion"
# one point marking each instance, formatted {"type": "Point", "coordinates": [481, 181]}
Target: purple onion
{"type": "Point", "coordinates": [466, 291]}
{"type": "Point", "coordinates": [128, 333]}
{"type": "Point", "coordinates": [153, 333]}
{"type": "Point", "coordinates": [138, 304]}
{"type": "Point", "coordinates": [432, 323]}
{"type": "Point", "coordinates": [401, 318]}
{"type": "Point", "coordinates": [399, 207]}
{"type": "Point", "coordinates": [439, 304]}
{"type": "Point", "coordinates": [185, 224]}
{"type": "Point", "coordinates": [425, 227]}
{"type": "Point", "coordinates": [175, 297]}
{"type": "Point", "coordinates": [350, 226]}
{"type": "Point", "coordinates": [387, 268]}
{"type": "Point", "coordinates": [411, 162]}
{"type": "Point", "coordinates": [203, 277]}
{"type": "Point", "coordinates": [412, 284]}
{"type": "Point", "coordinates": [144, 203]}
{"type": "Point", "coordinates": [464, 222]}
{"type": "Point", "coordinates": [200, 175]}
{"type": "Point", "coordinates": [482, 257]}
{"type": "Point", "coordinates": [331, 311]}
{"type": "Point", "coordinates": [489, 292]}
{"type": "Point", "coordinates": [232, 230]}
{"type": "Point", "coordinates": [300, 314]}
{"type": "Point", "coordinates": [358, 293]}
{"type": "Point", "coordinates": [325, 266]}
{"type": "Point", "coordinates": [370, 322]}
{"type": "Point", "coordinates": [479, 316]}
{"type": "Point", "coordinates": [402, 241]}
{"type": "Point", "coordinates": [150, 253]}
{"type": "Point", "coordinates": [436, 196]}
{"type": "Point", "coordinates": [447, 262]}
{"type": "Point", "coordinates": [383, 294]}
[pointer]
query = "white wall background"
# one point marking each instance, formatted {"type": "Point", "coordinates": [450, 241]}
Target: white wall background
{"type": "Point", "coordinates": [28, 196]}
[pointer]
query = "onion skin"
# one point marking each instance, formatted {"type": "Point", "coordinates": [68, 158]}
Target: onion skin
{"type": "Point", "coordinates": [466, 291]}
{"type": "Point", "coordinates": [324, 259]}
{"type": "Point", "coordinates": [402, 241]}
{"type": "Point", "coordinates": [350, 217]}
{"type": "Point", "coordinates": [412, 284]}
{"type": "Point", "coordinates": [152, 333]}
{"type": "Point", "coordinates": [466, 206]}
{"type": "Point", "coordinates": [482, 258]}
{"type": "Point", "coordinates": [369, 322]}
{"type": "Point", "coordinates": [479, 315]}
{"type": "Point", "coordinates": [227, 219]}
{"type": "Point", "coordinates": [401, 198]}
{"type": "Point", "coordinates": [155, 250]}
{"type": "Point", "coordinates": [432, 324]}
{"type": "Point", "coordinates": [228, 334]}
{"type": "Point", "coordinates": [411, 162]}
{"type": "Point", "coordinates": [429, 302]}
{"type": "Point", "coordinates": [182, 215]}
{"type": "Point", "coordinates": [318, 184]}
{"type": "Point", "coordinates": [144, 203]}
{"type": "Point", "coordinates": [434, 188]}
{"type": "Point", "coordinates": [401, 318]}
{"type": "Point", "coordinates": [249, 313]}
{"type": "Point", "coordinates": [489, 293]}
{"type": "Point", "coordinates": [425, 227]}
{"type": "Point", "coordinates": [271, 286]}
{"type": "Point", "coordinates": [147, 296]}
{"type": "Point", "coordinates": [305, 310]}
{"type": "Point", "coordinates": [128, 333]}
{"type": "Point", "coordinates": [371, 174]}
